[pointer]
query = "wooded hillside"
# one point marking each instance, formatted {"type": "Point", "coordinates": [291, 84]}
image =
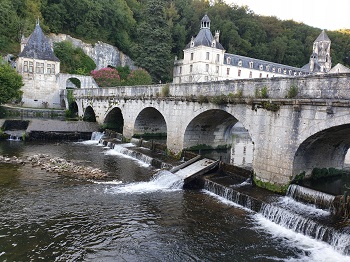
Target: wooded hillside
{"type": "Point", "coordinates": [153, 32]}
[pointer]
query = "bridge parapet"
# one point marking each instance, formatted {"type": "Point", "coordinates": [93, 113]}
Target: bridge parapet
{"type": "Point", "coordinates": [331, 86]}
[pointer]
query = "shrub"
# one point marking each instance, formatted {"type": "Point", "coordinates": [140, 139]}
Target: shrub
{"type": "Point", "coordinates": [165, 90]}
{"type": "Point", "coordinates": [139, 77]}
{"type": "Point", "coordinates": [219, 100]}
{"type": "Point", "coordinates": [202, 99]}
{"type": "Point", "coordinates": [261, 93]}
{"type": "Point", "coordinates": [106, 77]}
{"type": "Point", "coordinates": [292, 92]}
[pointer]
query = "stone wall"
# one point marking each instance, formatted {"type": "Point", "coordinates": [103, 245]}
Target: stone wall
{"type": "Point", "coordinates": [103, 54]}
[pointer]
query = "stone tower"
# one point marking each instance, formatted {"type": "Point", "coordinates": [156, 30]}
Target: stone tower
{"type": "Point", "coordinates": [320, 60]}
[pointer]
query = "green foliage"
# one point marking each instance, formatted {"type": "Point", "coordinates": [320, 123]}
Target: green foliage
{"type": "Point", "coordinates": [292, 92]}
{"type": "Point", "coordinates": [261, 93]}
{"type": "Point", "coordinates": [281, 189]}
{"type": "Point", "coordinates": [10, 83]}
{"type": "Point", "coordinates": [233, 96]}
{"type": "Point", "coordinates": [202, 99]}
{"type": "Point", "coordinates": [106, 77]}
{"type": "Point", "coordinates": [165, 90]}
{"type": "Point", "coordinates": [219, 100]}
{"type": "Point", "coordinates": [73, 60]}
{"type": "Point", "coordinates": [324, 173]}
{"type": "Point", "coordinates": [124, 72]}
{"type": "Point", "coordinates": [139, 77]}
{"type": "Point", "coordinates": [153, 32]}
{"type": "Point", "coordinates": [270, 106]}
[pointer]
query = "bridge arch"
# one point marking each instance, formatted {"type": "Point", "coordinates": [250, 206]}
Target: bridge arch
{"type": "Point", "coordinates": [325, 149]}
{"type": "Point", "coordinates": [73, 108]}
{"type": "Point", "coordinates": [73, 82]}
{"type": "Point", "coordinates": [150, 122]}
{"type": "Point", "coordinates": [211, 128]}
{"type": "Point", "coordinates": [89, 114]}
{"type": "Point", "coordinates": [114, 120]}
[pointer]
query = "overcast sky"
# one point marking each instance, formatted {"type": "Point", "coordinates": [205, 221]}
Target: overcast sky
{"type": "Point", "coordinates": [324, 14]}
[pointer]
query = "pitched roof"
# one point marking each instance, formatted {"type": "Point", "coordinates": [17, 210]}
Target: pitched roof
{"type": "Point", "coordinates": [38, 47]}
{"type": "Point", "coordinates": [339, 68]}
{"type": "Point", "coordinates": [323, 37]}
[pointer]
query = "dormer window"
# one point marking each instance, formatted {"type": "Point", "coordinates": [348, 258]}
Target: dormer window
{"type": "Point", "coordinates": [228, 60]}
{"type": "Point", "coordinates": [213, 44]}
{"type": "Point", "coordinates": [290, 72]}
{"type": "Point", "coordinates": [251, 64]}
{"type": "Point", "coordinates": [273, 69]}
{"type": "Point", "coordinates": [240, 63]}
{"type": "Point", "coordinates": [267, 68]}
{"type": "Point", "coordinates": [279, 70]}
{"type": "Point", "coordinates": [261, 67]}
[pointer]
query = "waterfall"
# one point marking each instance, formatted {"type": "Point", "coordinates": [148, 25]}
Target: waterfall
{"type": "Point", "coordinates": [162, 181]}
{"type": "Point", "coordinates": [122, 150]}
{"type": "Point", "coordinates": [96, 136]}
{"type": "Point", "coordinates": [310, 196]}
{"type": "Point", "coordinates": [290, 214]}
{"type": "Point", "coordinates": [338, 240]}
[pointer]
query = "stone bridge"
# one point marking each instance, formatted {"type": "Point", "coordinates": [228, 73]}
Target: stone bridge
{"type": "Point", "coordinates": [291, 132]}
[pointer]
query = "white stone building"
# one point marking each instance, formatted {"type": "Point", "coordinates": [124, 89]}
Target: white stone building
{"type": "Point", "coordinates": [40, 69]}
{"type": "Point", "coordinates": [205, 60]}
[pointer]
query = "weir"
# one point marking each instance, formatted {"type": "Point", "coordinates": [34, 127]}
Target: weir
{"type": "Point", "coordinates": [301, 218]}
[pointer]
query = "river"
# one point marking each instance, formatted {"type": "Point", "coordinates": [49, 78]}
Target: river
{"type": "Point", "coordinates": [137, 215]}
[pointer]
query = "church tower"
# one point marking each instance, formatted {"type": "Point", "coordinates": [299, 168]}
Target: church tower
{"type": "Point", "coordinates": [320, 60]}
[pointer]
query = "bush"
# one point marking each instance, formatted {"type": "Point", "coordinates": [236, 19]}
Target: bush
{"type": "Point", "coordinates": [106, 77]}
{"type": "Point", "coordinates": [292, 92]}
{"type": "Point", "coordinates": [139, 77]}
{"type": "Point", "coordinates": [219, 100]}
{"type": "Point", "coordinates": [165, 90]}
{"type": "Point", "coordinates": [73, 59]}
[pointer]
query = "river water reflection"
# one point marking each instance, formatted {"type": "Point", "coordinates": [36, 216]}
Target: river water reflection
{"type": "Point", "coordinates": [47, 217]}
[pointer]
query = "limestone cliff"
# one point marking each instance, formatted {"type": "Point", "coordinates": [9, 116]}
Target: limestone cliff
{"type": "Point", "coordinates": [103, 54]}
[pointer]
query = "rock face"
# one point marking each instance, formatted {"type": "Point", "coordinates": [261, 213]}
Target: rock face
{"type": "Point", "coordinates": [103, 54]}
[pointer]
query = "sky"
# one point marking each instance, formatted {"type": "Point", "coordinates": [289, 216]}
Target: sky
{"type": "Point", "coordinates": [323, 14]}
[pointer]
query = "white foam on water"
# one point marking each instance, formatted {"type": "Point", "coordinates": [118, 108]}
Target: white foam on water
{"type": "Point", "coordinates": [162, 181]}
{"type": "Point", "coordinates": [314, 250]}
{"type": "Point", "coordinates": [116, 152]}
{"type": "Point", "coordinates": [226, 201]}
{"type": "Point", "coordinates": [113, 182]}
{"type": "Point", "coordinates": [303, 208]}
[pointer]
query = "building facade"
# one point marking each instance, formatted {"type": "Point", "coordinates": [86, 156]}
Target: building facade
{"type": "Point", "coordinates": [40, 70]}
{"type": "Point", "coordinates": [205, 60]}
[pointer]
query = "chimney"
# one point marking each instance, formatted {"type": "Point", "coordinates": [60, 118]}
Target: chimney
{"type": "Point", "coordinates": [217, 34]}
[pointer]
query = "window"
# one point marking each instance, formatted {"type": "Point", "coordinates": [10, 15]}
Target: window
{"type": "Point", "coordinates": [240, 63]}
{"type": "Point", "coordinates": [261, 67]}
{"type": "Point", "coordinates": [239, 72]}
{"type": "Point", "coordinates": [25, 66]}
{"type": "Point", "coordinates": [213, 44]}
{"type": "Point", "coordinates": [48, 69]}
{"type": "Point", "coordinates": [206, 68]}
{"type": "Point", "coordinates": [31, 67]}
{"type": "Point", "coordinates": [207, 56]}
{"type": "Point", "coordinates": [217, 58]}
{"type": "Point", "coordinates": [260, 75]}
{"type": "Point", "coordinates": [180, 70]}
{"type": "Point", "coordinates": [39, 68]}
{"type": "Point", "coordinates": [180, 80]}
{"type": "Point", "coordinates": [228, 71]}
{"type": "Point", "coordinates": [267, 68]}
{"type": "Point", "coordinates": [267, 76]}
{"type": "Point", "coordinates": [290, 72]}
{"type": "Point", "coordinates": [191, 68]}
{"type": "Point", "coordinates": [251, 64]}
{"type": "Point", "coordinates": [190, 78]}
{"type": "Point", "coordinates": [250, 74]}
{"type": "Point", "coordinates": [273, 70]}
{"type": "Point", "coordinates": [191, 56]}
{"type": "Point", "coordinates": [217, 69]}
{"type": "Point", "coordinates": [228, 60]}
{"type": "Point", "coordinates": [284, 71]}
{"type": "Point", "coordinates": [53, 69]}
{"type": "Point", "coordinates": [279, 70]}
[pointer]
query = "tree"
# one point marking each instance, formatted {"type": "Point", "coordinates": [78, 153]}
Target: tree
{"type": "Point", "coordinates": [154, 42]}
{"type": "Point", "coordinates": [139, 77]}
{"type": "Point", "coordinates": [10, 83]}
{"type": "Point", "coordinates": [73, 60]}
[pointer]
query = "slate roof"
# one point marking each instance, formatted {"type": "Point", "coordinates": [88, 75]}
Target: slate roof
{"type": "Point", "coordinates": [205, 37]}
{"type": "Point", "coordinates": [339, 68]}
{"type": "Point", "coordinates": [38, 47]}
{"type": "Point", "coordinates": [267, 66]}
{"type": "Point", "coordinates": [323, 37]}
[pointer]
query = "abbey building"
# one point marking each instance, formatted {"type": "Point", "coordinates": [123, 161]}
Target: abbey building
{"type": "Point", "coordinates": [205, 60]}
